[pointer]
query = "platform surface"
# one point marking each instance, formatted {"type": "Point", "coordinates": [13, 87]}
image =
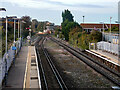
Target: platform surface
{"type": "Point", "coordinates": [108, 55]}
{"type": "Point", "coordinates": [16, 73]}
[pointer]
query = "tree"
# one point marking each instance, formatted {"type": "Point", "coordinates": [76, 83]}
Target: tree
{"type": "Point", "coordinates": [67, 27]}
{"type": "Point", "coordinates": [68, 24]}
{"type": "Point", "coordinates": [41, 26]}
{"type": "Point", "coordinates": [95, 36]}
{"type": "Point", "coordinates": [27, 24]}
{"type": "Point", "coordinates": [34, 24]}
{"type": "Point", "coordinates": [66, 15]}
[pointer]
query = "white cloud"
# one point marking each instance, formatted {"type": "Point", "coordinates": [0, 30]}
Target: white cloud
{"type": "Point", "coordinates": [84, 1]}
{"type": "Point", "coordinates": [79, 5]}
{"type": "Point", "coordinates": [29, 3]}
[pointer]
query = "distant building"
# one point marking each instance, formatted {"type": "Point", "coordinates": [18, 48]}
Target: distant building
{"type": "Point", "coordinates": [58, 27]}
{"type": "Point", "coordinates": [50, 26]}
{"type": "Point", "coordinates": [94, 26]}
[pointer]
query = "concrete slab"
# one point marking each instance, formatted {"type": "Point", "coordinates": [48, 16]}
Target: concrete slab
{"type": "Point", "coordinates": [32, 79]}
{"type": "Point", "coordinates": [108, 55]}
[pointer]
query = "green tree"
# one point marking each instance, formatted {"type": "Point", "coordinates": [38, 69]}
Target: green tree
{"type": "Point", "coordinates": [41, 26]}
{"type": "Point", "coordinates": [27, 24]}
{"type": "Point", "coordinates": [95, 36]}
{"type": "Point", "coordinates": [34, 24]}
{"type": "Point", "coordinates": [66, 15]}
{"type": "Point", "coordinates": [67, 27]}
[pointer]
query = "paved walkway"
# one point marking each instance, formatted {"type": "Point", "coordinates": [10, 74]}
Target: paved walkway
{"type": "Point", "coordinates": [108, 55]}
{"type": "Point", "coordinates": [15, 77]}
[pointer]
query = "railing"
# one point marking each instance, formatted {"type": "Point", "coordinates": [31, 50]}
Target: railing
{"type": "Point", "coordinates": [6, 63]}
{"type": "Point", "coordinates": [109, 47]}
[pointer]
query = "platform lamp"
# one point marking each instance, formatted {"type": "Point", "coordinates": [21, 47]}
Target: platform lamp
{"type": "Point", "coordinates": [83, 18]}
{"type": "Point", "coordinates": [6, 55]}
{"type": "Point", "coordinates": [103, 33]}
{"type": "Point", "coordinates": [110, 25]}
{"type": "Point", "coordinates": [83, 29]}
{"type": "Point", "coordinates": [21, 21]}
{"type": "Point", "coordinates": [103, 30]}
{"type": "Point", "coordinates": [2, 9]}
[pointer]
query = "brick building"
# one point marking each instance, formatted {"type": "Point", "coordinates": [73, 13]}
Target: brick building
{"type": "Point", "coordinates": [94, 26]}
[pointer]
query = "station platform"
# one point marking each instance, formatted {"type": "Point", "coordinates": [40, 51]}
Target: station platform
{"type": "Point", "coordinates": [23, 74]}
{"type": "Point", "coordinates": [109, 56]}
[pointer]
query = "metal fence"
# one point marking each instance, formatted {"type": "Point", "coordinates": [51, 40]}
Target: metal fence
{"type": "Point", "coordinates": [109, 47]}
{"type": "Point", "coordinates": [6, 62]}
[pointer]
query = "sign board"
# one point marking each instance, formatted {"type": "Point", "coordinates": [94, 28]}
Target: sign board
{"type": "Point", "coordinates": [92, 43]}
{"type": "Point", "coordinates": [13, 48]}
{"type": "Point", "coordinates": [30, 30]}
{"type": "Point", "coordinates": [28, 37]}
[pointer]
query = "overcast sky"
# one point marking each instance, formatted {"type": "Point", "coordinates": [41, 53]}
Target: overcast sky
{"type": "Point", "coordinates": [51, 10]}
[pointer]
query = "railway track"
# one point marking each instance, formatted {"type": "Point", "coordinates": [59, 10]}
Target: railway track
{"type": "Point", "coordinates": [113, 76]}
{"type": "Point", "coordinates": [50, 77]}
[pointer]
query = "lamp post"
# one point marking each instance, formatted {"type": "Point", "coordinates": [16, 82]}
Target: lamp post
{"type": "Point", "coordinates": [6, 58]}
{"type": "Point", "coordinates": [21, 21]}
{"type": "Point", "coordinates": [6, 54]}
{"type": "Point", "coordinates": [14, 29]}
{"type": "Point", "coordinates": [110, 25]}
{"type": "Point", "coordinates": [2, 9]}
{"type": "Point", "coordinates": [30, 33]}
{"type": "Point", "coordinates": [103, 33]}
{"type": "Point", "coordinates": [103, 30]}
{"type": "Point", "coordinates": [83, 18]}
{"type": "Point", "coordinates": [18, 28]}
{"type": "Point", "coordinates": [6, 33]}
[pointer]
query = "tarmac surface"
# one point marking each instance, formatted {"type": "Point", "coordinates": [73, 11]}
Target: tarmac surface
{"type": "Point", "coordinates": [16, 73]}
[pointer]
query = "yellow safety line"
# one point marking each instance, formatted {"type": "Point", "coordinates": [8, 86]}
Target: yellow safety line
{"type": "Point", "coordinates": [26, 70]}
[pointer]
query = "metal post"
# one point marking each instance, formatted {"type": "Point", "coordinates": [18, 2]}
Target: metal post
{"type": "Point", "coordinates": [89, 45]}
{"type": "Point", "coordinates": [103, 33]}
{"type": "Point", "coordinates": [6, 33]}
{"type": "Point", "coordinates": [20, 36]}
{"type": "Point", "coordinates": [18, 29]}
{"type": "Point", "coordinates": [103, 36]}
{"type": "Point", "coordinates": [14, 42]}
{"type": "Point", "coordinates": [14, 30]}
{"type": "Point", "coordinates": [6, 54]}
{"type": "Point", "coordinates": [119, 44]}
{"type": "Point", "coordinates": [30, 35]}
{"type": "Point", "coordinates": [3, 9]}
{"type": "Point", "coordinates": [110, 25]}
{"type": "Point", "coordinates": [83, 19]}
{"type": "Point", "coordinates": [110, 34]}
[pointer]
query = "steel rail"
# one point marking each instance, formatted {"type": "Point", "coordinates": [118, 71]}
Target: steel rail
{"type": "Point", "coordinates": [55, 71]}
{"type": "Point", "coordinates": [91, 59]}
{"type": "Point", "coordinates": [40, 63]}
{"type": "Point", "coordinates": [86, 60]}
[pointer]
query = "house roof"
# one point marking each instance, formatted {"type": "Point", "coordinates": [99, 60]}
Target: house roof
{"type": "Point", "coordinates": [97, 26]}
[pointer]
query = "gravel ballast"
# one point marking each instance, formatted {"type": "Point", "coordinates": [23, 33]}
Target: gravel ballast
{"type": "Point", "coordinates": [74, 72]}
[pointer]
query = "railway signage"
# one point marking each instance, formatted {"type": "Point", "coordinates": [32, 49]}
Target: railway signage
{"type": "Point", "coordinates": [28, 37]}
{"type": "Point", "coordinates": [13, 48]}
{"type": "Point", "coordinates": [92, 44]}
